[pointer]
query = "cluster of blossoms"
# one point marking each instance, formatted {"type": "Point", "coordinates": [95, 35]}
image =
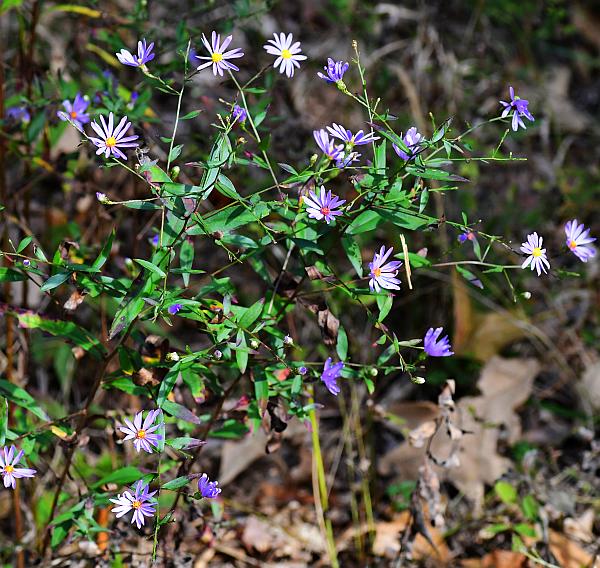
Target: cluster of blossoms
{"type": "Point", "coordinates": [578, 241]}
{"type": "Point", "coordinates": [143, 434]}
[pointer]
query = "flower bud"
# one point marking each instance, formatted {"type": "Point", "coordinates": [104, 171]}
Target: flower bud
{"type": "Point", "coordinates": [373, 371]}
{"type": "Point", "coordinates": [173, 356]}
{"type": "Point", "coordinates": [287, 340]}
{"type": "Point", "coordinates": [254, 344]}
{"type": "Point", "coordinates": [217, 354]}
{"type": "Point", "coordinates": [175, 172]}
{"type": "Point", "coordinates": [417, 380]}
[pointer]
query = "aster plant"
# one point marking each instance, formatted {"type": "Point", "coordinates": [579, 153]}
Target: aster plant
{"type": "Point", "coordinates": [144, 54]}
{"type": "Point", "coordinates": [288, 53]}
{"type": "Point", "coordinates": [9, 466]}
{"type": "Point", "coordinates": [139, 500]}
{"type": "Point", "coordinates": [536, 255]}
{"type": "Point", "coordinates": [434, 346]}
{"type": "Point", "coordinates": [519, 108]}
{"type": "Point", "coordinates": [383, 273]}
{"type": "Point", "coordinates": [111, 140]}
{"type": "Point", "coordinates": [579, 240]}
{"type": "Point", "coordinates": [324, 206]}
{"type": "Point", "coordinates": [143, 433]}
{"type": "Point", "coordinates": [219, 58]}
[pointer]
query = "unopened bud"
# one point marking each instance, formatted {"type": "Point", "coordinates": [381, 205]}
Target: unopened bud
{"type": "Point", "coordinates": [173, 356]}
{"type": "Point", "coordinates": [175, 172]}
{"type": "Point", "coordinates": [527, 295]}
{"type": "Point", "coordinates": [254, 344]}
{"type": "Point", "coordinates": [287, 340]}
{"type": "Point", "coordinates": [418, 380]}
{"type": "Point", "coordinates": [217, 354]}
{"type": "Point", "coordinates": [373, 371]}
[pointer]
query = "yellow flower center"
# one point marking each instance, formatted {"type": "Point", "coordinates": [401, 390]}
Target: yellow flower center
{"type": "Point", "coordinates": [286, 54]}
{"type": "Point", "coordinates": [537, 251]}
{"type": "Point", "coordinates": [9, 469]}
{"type": "Point", "coordinates": [572, 245]}
{"type": "Point", "coordinates": [377, 272]}
{"type": "Point", "coordinates": [112, 141]}
{"type": "Point", "coordinates": [216, 57]}
{"type": "Point", "coordinates": [141, 434]}
{"type": "Point", "coordinates": [73, 114]}
{"type": "Point", "coordinates": [325, 210]}
{"type": "Point", "coordinates": [136, 504]}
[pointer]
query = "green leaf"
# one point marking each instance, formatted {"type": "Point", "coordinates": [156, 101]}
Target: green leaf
{"type": "Point", "coordinates": [66, 329]}
{"type": "Point", "coordinates": [186, 259]}
{"type": "Point", "coordinates": [353, 253]}
{"type": "Point", "coordinates": [168, 383]}
{"type": "Point", "coordinates": [122, 476]}
{"type": "Point", "coordinates": [180, 412]}
{"type": "Point", "coordinates": [151, 267]}
{"type": "Point", "coordinates": [24, 244]}
{"type": "Point", "coordinates": [104, 253]}
{"type": "Point", "coordinates": [424, 199]}
{"type": "Point", "coordinates": [226, 188]}
{"type": "Point", "coordinates": [530, 507]}
{"type": "Point", "coordinates": [175, 151]}
{"type": "Point", "coordinates": [506, 492]}
{"type": "Point", "coordinates": [261, 390]}
{"type": "Point", "coordinates": [229, 219]}
{"type": "Point", "coordinates": [241, 353]}
{"type": "Point", "coordinates": [384, 303]}
{"type": "Point", "coordinates": [176, 483]}
{"type": "Point", "coordinates": [251, 314]}
{"type": "Point", "coordinates": [55, 281]}
{"type": "Point", "coordinates": [433, 173]}
{"type": "Point", "coordinates": [366, 221]}
{"type": "Point", "coordinates": [11, 275]}
{"type": "Point", "coordinates": [190, 115]}
{"type": "Point", "coordinates": [184, 443]}
{"type": "Point", "coordinates": [342, 344]}
{"type": "Point", "coordinates": [525, 530]}
{"type": "Point", "coordinates": [3, 419]}
{"type": "Point", "coordinates": [231, 429]}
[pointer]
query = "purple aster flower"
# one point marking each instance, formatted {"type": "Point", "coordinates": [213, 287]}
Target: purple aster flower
{"type": "Point", "coordinates": [140, 502]}
{"type": "Point", "coordinates": [302, 370]}
{"type": "Point", "coordinates": [18, 114]}
{"type": "Point", "coordinates": [537, 259]}
{"type": "Point", "coordinates": [75, 111]}
{"type": "Point", "coordinates": [323, 206]}
{"type": "Point", "coordinates": [327, 145]}
{"type": "Point", "coordinates": [334, 71]}
{"type": "Point", "coordinates": [208, 489]}
{"type": "Point", "coordinates": [466, 236]}
{"type": "Point", "coordinates": [330, 375]}
{"type": "Point", "coordinates": [238, 114]}
{"type": "Point", "coordinates": [383, 274]}
{"type": "Point", "coordinates": [174, 308]}
{"type": "Point", "coordinates": [288, 54]}
{"type": "Point", "coordinates": [111, 139]}
{"type": "Point", "coordinates": [144, 54]}
{"type": "Point", "coordinates": [142, 434]}
{"type": "Point", "coordinates": [578, 240]}
{"type": "Point", "coordinates": [345, 160]}
{"type": "Point", "coordinates": [358, 139]}
{"type": "Point", "coordinates": [155, 240]}
{"type": "Point", "coordinates": [435, 347]}
{"type": "Point", "coordinates": [519, 108]}
{"type": "Point", "coordinates": [411, 141]}
{"type": "Point", "coordinates": [8, 467]}
{"type": "Point", "coordinates": [218, 56]}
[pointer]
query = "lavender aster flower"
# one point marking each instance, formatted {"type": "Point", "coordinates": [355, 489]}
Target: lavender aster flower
{"type": "Point", "coordinates": [435, 347]}
{"type": "Point", "coordinates": [466, 236]}
{"type": "Point", "coordinates": [218, 56]}
{"type": "Point", "coordinates": [519, 108]}
{"type": "Point", "coordinates": [327, 145]}
{"type": "Point", "coordinates": [208, 489]}
{"type": "Point", "coordinates": [8, 467]}
{"type": "Point", "coordinates": [537, 259]}
{"type": "Point", "coordinates": [345, 160]}
{"type": "Point", "coordinates": [75, 111]}
{"type": "Point", "coordinates": [238, 114]}
{"type": "Point", "coordinates": [111, 139]}
{"type": "Point", "coordinates": [330, 375]}
{"type": "Point", "coordinates": [302, 370]}
{"type": "Point", "coordinates": [174, 308]}
{"type": "Point", "coordinates": [18, 114]}
{"type": "Point", "coordinates": [140, 502]}
{"type": "Point", "coordinates": [144, 54]}
{"type": "Point", "coordinates": [142, 434]}
{"type": "Point", "coordinates": [288, 53]}
{"type": "Point", "coordinates": [578, 240]}
{"type": "Point", "coordinates": [383, 274]}
{"type": "Point", "coordinates": [334, 72]}
{"type": "Point", "coordinates": [358, 139]}
{"type": "Point", "coordinates": [323, 206]}
{"type": "Point", "coordinates": [411, 141]}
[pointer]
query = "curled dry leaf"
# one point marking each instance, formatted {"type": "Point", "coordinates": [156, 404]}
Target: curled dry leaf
{"type": "Point", "coordinates": [422, 433]}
